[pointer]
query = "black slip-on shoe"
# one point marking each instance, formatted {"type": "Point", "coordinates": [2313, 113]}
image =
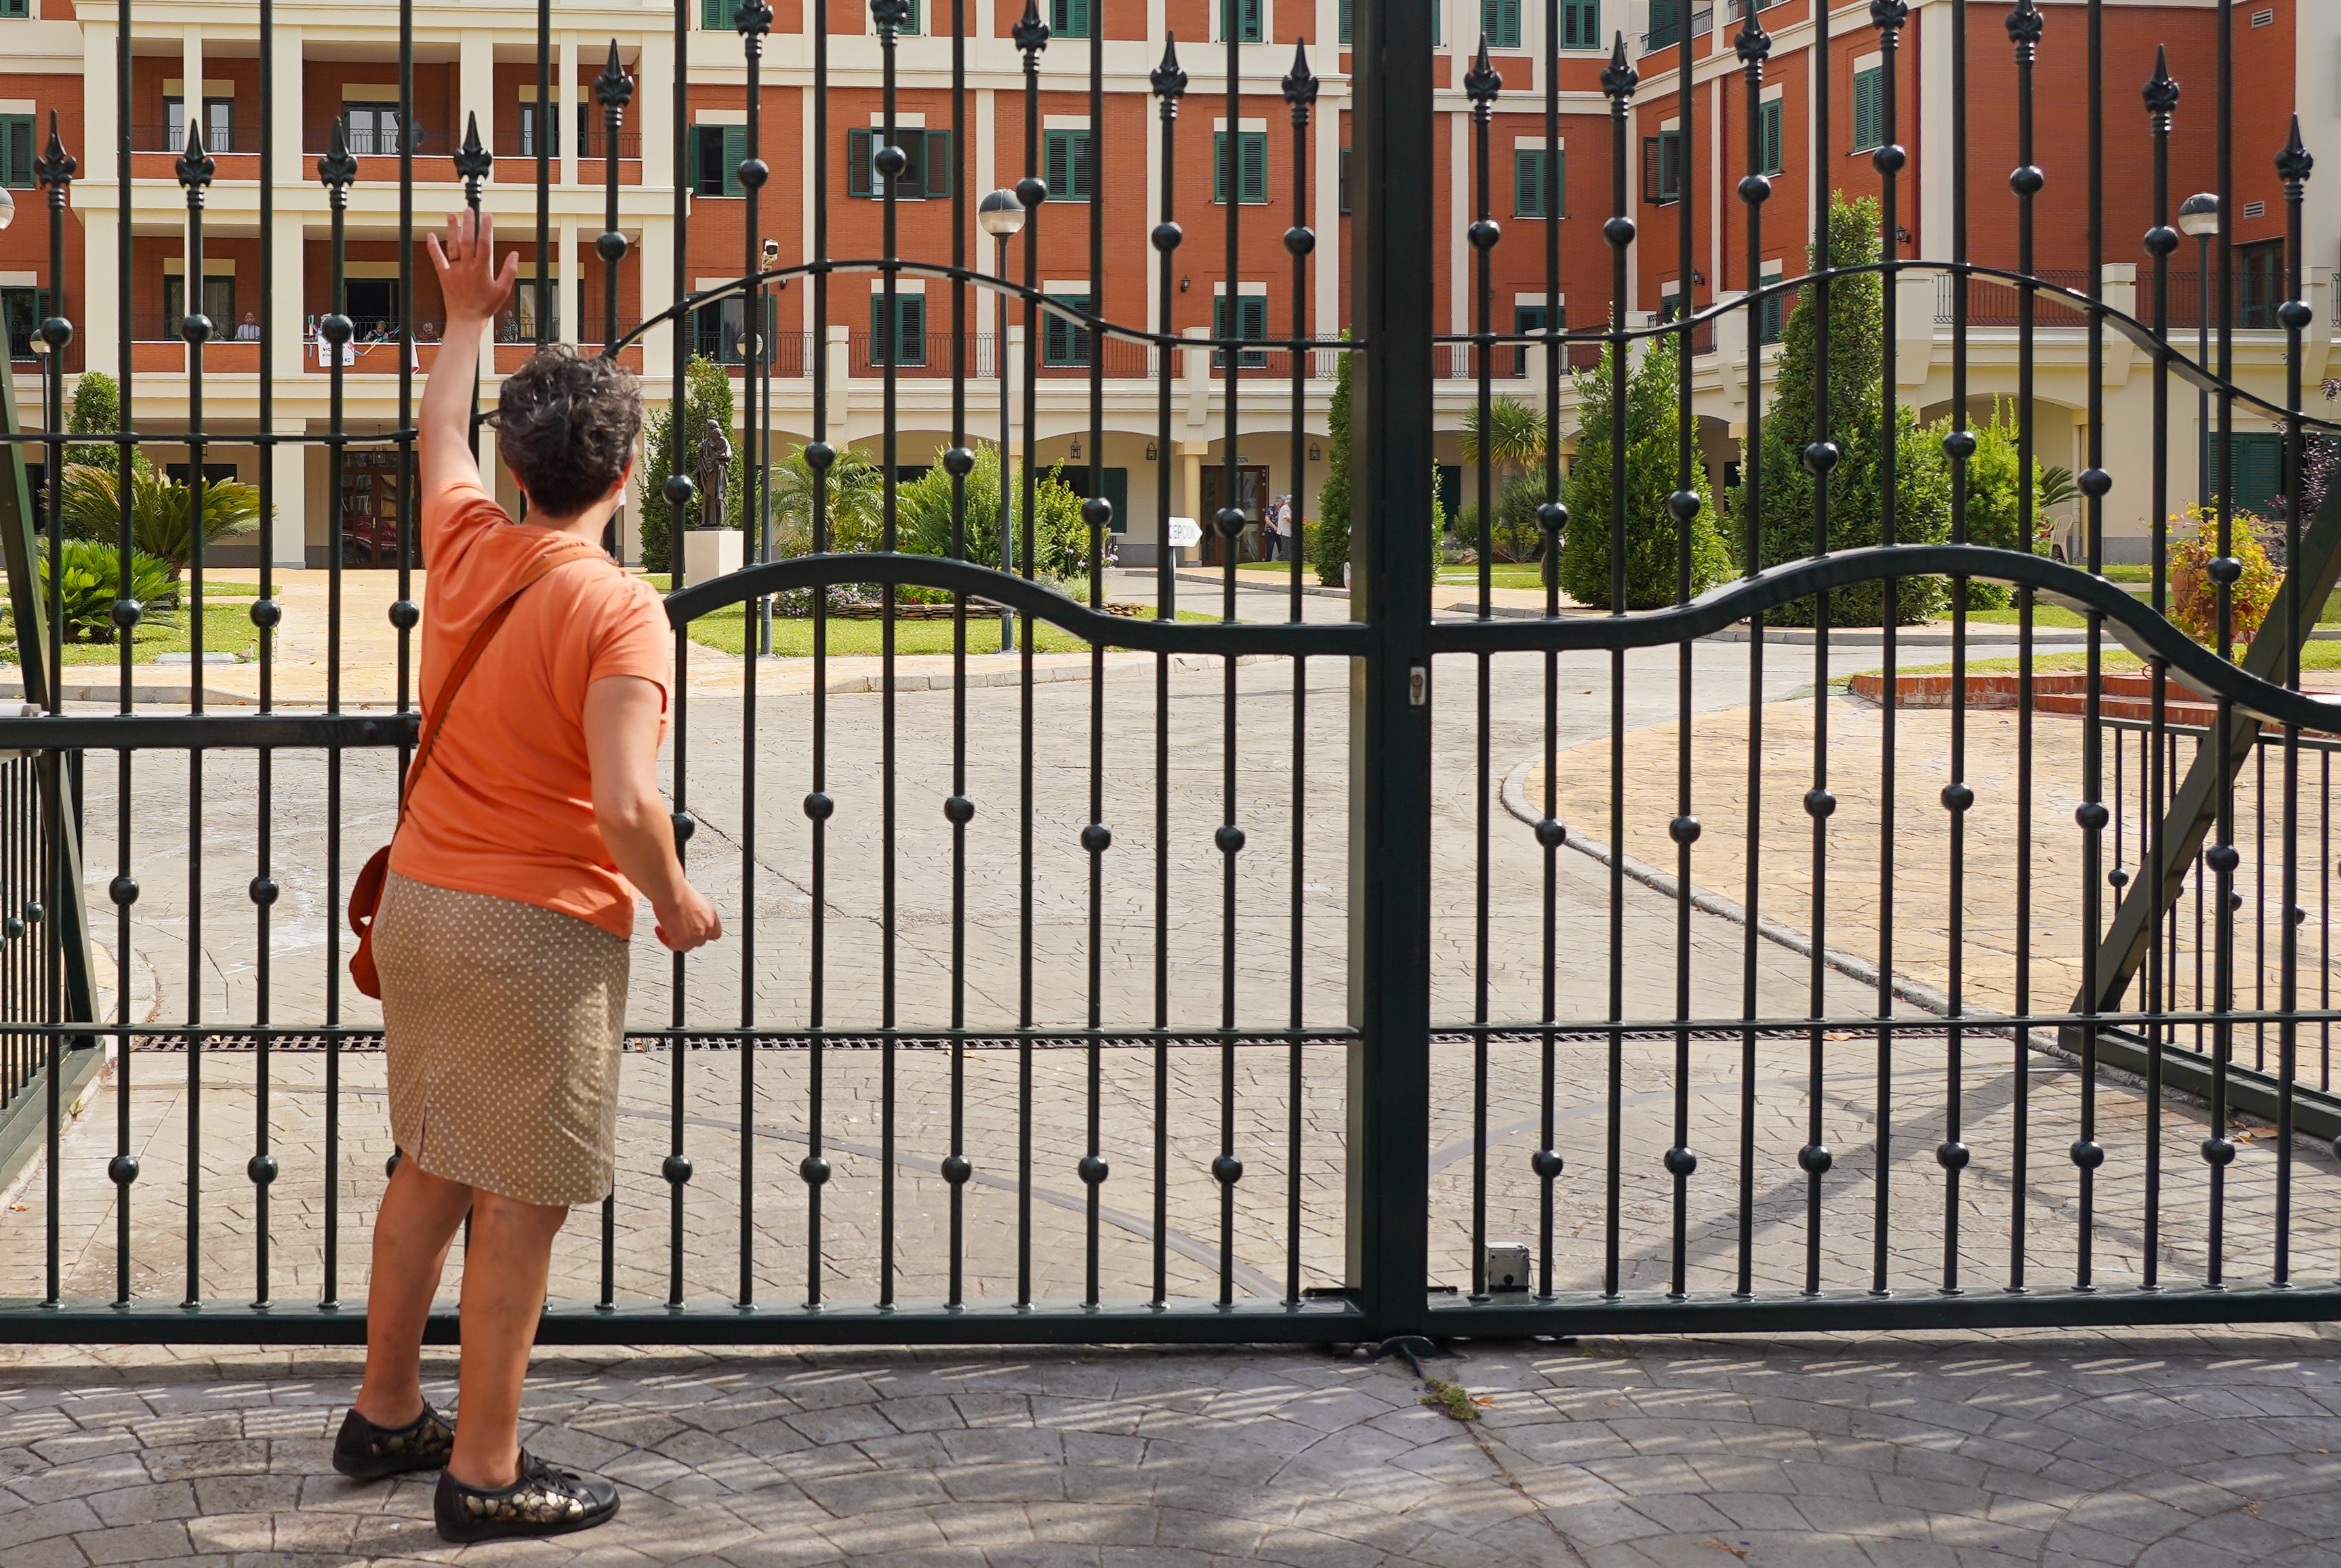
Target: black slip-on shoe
{"type": "Point", "coordinates": [546, 1500]}
{"type": "Point", "coordinates": [364, 1452]}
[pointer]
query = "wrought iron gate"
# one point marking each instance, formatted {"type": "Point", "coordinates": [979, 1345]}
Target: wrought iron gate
{"type": "Point", "coordinates": [1281, 1150]}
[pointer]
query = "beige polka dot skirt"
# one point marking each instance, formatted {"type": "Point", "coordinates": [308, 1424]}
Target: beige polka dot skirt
{"type": "Point", "coordinates": [502, 1022]}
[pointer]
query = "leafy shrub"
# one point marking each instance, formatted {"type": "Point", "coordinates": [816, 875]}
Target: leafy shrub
{"type": "Point", "coordinates": [707, 395]}
{"type": "Point", "coordinates": [91, 578]}
{"type": "Point", "coordinates": [2195, 599]}
{"type": "Point", "coordinates": [96, 410]}
{"type": "Point", "coordinates": [1652, 547]}
{"type": "Point", "coordinates": [1993, 494]}
{"type": "Point", "coordinates": [1327, 537]}
{"type": "Point", "coordinates": [1061, 540]}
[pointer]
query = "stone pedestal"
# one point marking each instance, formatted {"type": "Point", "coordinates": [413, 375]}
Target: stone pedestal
{"type": "Point", "coordinates": [711, 553]}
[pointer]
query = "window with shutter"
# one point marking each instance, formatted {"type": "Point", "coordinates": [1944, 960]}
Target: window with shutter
{"type": "Point", "coordinates": [716, 15]}
{"type": "Point", "coordinates": [1501, 21]}
{"type": "Point", "coordinates": [1525, 319]}
{"type": "Point", "coordinates": [1250, 321]}
{"type": "Point", "coordinates": [15, 7]}
{"type": "Point", "coordinates": [1240, 18]}
{"type": "Point", "coordinates": [1662, 172]}
{"type": "Point", "coordinates": [16, 151]}
{"type": "Point", "coordinates": [735, 153]}
{"type": "Point", "coordinates": [1537, 192]}
{"type": "Point", "coordinates": [937, 166]}
{"type": "Point", "coordinates": [1064, 342]}
{"type": "Point", "coordinates": [1868, 108]}
{"type": "Point", "coordinates": [2259, 473]}
{"type": "Point", "coordinates": [1349, 20]}
{"type": "Point", "coordinates": [1251, 173]}
{"type": "Point", "coordinates": [911, 26]}
{"type": "Point", "coordinates": [1666, 25]}
{"type": "Point", "coordinates": [1065, 165]}
{"type": "Point", "coordinates": [1580, 24]}
{"type": "Point", "coordinates": [1068, 18]}
{"type": "Point", "coordinates": [861, 174]}
{"type": "Point", "coordinates": [1342, 180]}
{"type": "Point", "coordinates": [1768, 145]}
{"type": "Point", "coordinates": [23, 310]}
{"type": "Point", "coordinates": [1771, 312]}
{"type": "Point", "coordinates": [906, 345]}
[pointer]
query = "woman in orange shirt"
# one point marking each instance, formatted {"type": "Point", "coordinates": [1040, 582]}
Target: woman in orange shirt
{"type": "Point", "coordinates": [502, 936]}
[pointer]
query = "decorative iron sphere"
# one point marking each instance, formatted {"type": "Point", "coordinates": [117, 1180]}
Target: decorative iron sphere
{"type": "Point", "coordinates": [1552, 517]}
{"type": "Point", "coordinates": [390, 1165]}
{"type": "Point", "coordinates": [1230, 839]}
{"type": "Point", "coordinates": [122, 1170]}
{"type": "Point", "coordinates": [12, 927]}
{"type": "Point", "coordinates": [1552, 834]}
{"type": "Point", "coordinates": [1618, 232]}
{"type": "Point", "coordinates": [57, 332]}
{"type": "Point", "coordinates": [404, 614]}
{"type": "Point", "coordinates": [2220, 1151]}
{"type": "Point", "coordinates": [2026, 180]}
{"type": "Point", "coordinates": [956, 1170]}
{"type": "Point", "coordinates": [819, 806]}
{"type": "Point", "coordinates": [1815, 1158]}
{"type": "Point", "coordinates": [33, 913]}
{"type": "Point", "coordinates": [959, 810]}
{"type": "Point", "coordinates": [2222, 859]}
{"type": "Point", "coordinates": [1097, 838]}
{"type": "Point", "coordinates": [2223, 569]}
{"type": "Point", "coordinates": [2118, 878]}
{"type": "Point", "coordinates": [1483, 235]}
{"type": "Point", "coordinates": [685, 825]}
{"type": "Point", "coordinates": [1684, 829]}
{"type": "Point", "coordinates": [1229, 520]}
{"type": "Point", "coordinates": [261, 1168]}
{"type": "Point", "coordinates": [679, 489]}
{"type": "Point", "coordinates": [195, 328]}
{"type": "Point", "coordinates": [1683, 505]}
{"type": "Point", "coordinates": [2087, 1155]}
{"type": "Point", "coordinates": [819, 454]}
{"type": "Point", "coordinates": [2294, 315]}
{"type": "Point", "coordinates": [1951, 1154]}
{"type": "Point", "coordinates": [815, 1170]}
{"type": "Point", "coordinates": [1754, 189]}
{"type": "Point", "coordinates": [1889, 159]}
{"type": "Point", "coordinates": [263, 892]}
{"type": "Point", "coordinates": [1820, 802]}
{"type": "Point", "coordinates": [2336, 1148]}
{"type": "Point", "coordinates": [123, 892]}
{"type": "Point", "coordinates": [1227, 1170]}
{"type": "Point", "coordinates": [2096, 483]}
{"type": "Point", "coordinates": [1300, 241]}
{"type": "Point", "coordinates": [754, 172]}
{"type": "Point", "coordinates": [676, 1169]}
{"type": "Point", "coordinates": [958, 462]}
{"type": "Point", "coordinates": [1681, 1163]}
{"type": "Point", "coordinates": [1098, 513]}
{"type": "Point", "coordinates": [1958, 797]}
{"type": "Point", "coordinates": [1959, 445]}
{"type": "Point", "coordinates": [2092, 816]}
{"type": "Point", "coordinates": [1093, 1170]}
{"type": "Point", "coordinates": [2235, 901]}
{"type": "Point", "coordinates": [1030, 192]}
{"type": "Point", "coordinates": [1821, 456]}
{"type": "Point", "coordinates": [890, 160]}
{"type": "Point", "coordinates": [1166, 236]}
{"type": "Point", "coordinates": [1546, 1163]}
{"type": "Point", "coordinates": [611, 245]}
{"type": "Point", "coordinates": [2300, 915]}
{"type": "Point", "coordinates": [126, 612]}
{"type": "Point", "coordinates": [2161, 240]}
{"type": "Point", "coordinates": [336, 328]}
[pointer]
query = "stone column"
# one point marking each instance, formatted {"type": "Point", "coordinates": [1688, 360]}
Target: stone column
{"type": "Point", "coordinates": [563, 112]}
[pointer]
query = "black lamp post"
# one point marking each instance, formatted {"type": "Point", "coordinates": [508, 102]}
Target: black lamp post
{"type": "Point", "coordinates": [1001, 214]}
{"type": "Point", "coordinates": [2198, 215]}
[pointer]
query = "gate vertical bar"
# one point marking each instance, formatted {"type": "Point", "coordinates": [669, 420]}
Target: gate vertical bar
{"type": "Point", "coordinates": [1389, 1068]}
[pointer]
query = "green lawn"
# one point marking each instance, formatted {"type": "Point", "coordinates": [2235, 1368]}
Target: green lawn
{"type": "Point", "coordinates": [727, 629]}
{"type": "Point", "coordinates": [226, 630]}
{"type": "Point", "coordinates": [2315, 656]}
{"type": "Point", "coordinates": [1505, 573]}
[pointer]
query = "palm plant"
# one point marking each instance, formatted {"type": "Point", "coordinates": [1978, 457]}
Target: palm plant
{"type": "Point", "coordinates": [162, 512]}
{"type": "Point", "coordinates": [1515, 438]}
{"type": "Point", "coordinates": [90, 579]}
{"type": "Point", "coordinates": [852, 500]}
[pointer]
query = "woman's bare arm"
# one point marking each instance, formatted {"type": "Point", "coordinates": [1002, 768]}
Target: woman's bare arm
{"type": "Point", "coordinates": [622, 742]}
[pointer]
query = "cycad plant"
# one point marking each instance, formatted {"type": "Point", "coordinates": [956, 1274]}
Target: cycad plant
{"type": "Point", "coordinates": [91, 580]}
{"type": "Point", "coordinates": [852, 500]}
{"type": "Point", "coordinates": [162, 512]}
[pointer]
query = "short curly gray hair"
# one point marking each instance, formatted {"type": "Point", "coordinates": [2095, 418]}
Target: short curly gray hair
{"type": "Point", "coordinates": [567, 428]}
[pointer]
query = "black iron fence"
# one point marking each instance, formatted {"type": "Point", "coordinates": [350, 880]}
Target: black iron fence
{"type": "Point", "coordinates": [1028, 1027]}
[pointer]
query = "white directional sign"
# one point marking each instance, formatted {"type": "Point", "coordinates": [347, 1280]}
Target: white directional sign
{"type": "Point", "coordinates": [1185, 533]}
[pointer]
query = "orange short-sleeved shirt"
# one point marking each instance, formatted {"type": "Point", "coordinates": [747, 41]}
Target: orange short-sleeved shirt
{"type": "Point", "coordinates": [506, 806]}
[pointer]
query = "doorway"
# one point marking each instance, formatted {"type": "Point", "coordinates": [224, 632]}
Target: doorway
{"type": "Point", "coordinates": [1251, 497]}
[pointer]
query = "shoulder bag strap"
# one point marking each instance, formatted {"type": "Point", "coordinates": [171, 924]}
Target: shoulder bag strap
{"type": "Point", "coordinates": [480, 638]}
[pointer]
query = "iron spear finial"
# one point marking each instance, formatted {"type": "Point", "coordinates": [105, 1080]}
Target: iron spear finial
{"type": "Point", "coordinates": [55, 167]}
{"type": "Point", "coordinates": [613, 88]}
{"type": "Point", "coordinates": [1619, 78]}
{"type": "Point", "coordinates": [195, 166]}
{"type": "Point", "coordinates": [1030, 34]}
{"type": "Point", "coordinates": [2025, 26]}
{"type": "Point", "coordinates": [2294, 164]}
{"type": "Point", "coordinates": [1300, 83]}
{"type": "Point", "coordinates": [337, 169]}
{"type": "Point", "coordinates": [1481, 82]}
{"type": "Point", "coordinates": [1169, 81]}
{"type": "Point", "coordinates": [472, 162]}
{"type": "Point", "coordinates": [2161, 90]}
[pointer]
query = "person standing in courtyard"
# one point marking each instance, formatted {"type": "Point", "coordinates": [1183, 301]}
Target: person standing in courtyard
{"type": "Point", "coordinates": [532, 822]}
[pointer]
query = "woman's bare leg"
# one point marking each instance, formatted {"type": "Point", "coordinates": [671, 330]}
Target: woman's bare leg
{"type": "Point", "coordinates": [504, 1270]}
{"type": "Point", "coordinates": [420, 1214]}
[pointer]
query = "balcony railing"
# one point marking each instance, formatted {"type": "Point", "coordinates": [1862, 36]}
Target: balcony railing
{"type": "Point", "coordinates": [1666, 34]}
{"type": "Point", "coordinates": [791, 351]}
{"type": "Point", "coordinates": [1994, 302]}
{"type": "Point", "coordinates": [221, 139]}
{"type": "Point", "coordinates": [519, 141]}
{"type": "Point", "coordinates": [377, 142]}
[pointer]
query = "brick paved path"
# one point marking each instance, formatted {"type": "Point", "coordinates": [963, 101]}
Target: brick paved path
{"type": "Point", "coordinates": [2166, 1451]}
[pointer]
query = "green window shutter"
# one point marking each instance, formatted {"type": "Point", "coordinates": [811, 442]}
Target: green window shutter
{"type": "Point", "coordinates": [1342, 180]}
{"type": "Point", "coordinates": [1349, 20]}
{"type": "Point", "coordinates": [1068, 18]}
{"type": "Point", "coordinates": [1253, 149]}
{"type": "Point", "coordinates": [912, 25]}
{"type": "Point", "coordinates": [1527, 182]}
{"type": "Point", "coordinates": [1501, 21]}
{"type": "Point", "coordinates": [16, 152]}
{"type": "Point", "coordinates": [1219, 166]}
{"type": "Point", "coordinates": [1869, 109]}
{"type": "Point", "coordinates": [1252, 14]}
{"type": "Point", "coordinates": [15, 7]}
{"type": "Point", "coordinates": [1065, 163]}
{"type": "Point", "coordinates": [715, 15]}
{"type": "Point", "coordinates": [1240, 18]}
{"type": "Point", "coordinates": [860, 177]}
{"type": "Point", "coordinates": [1580, 24]}
{"type": "Point", "coordinates": [1065, 342]}
{"type": "Point", "coordinates": [2259, 472]}
{"type": "Point", "coordinates": [1768, 150]}
{"type": "Point", "coordinates": [1252, 315]}
{"type": "Point", "coordinates": [914, 328]}
{"type": "Point", "coordinates": [938, 164]}
{"type": "Point", "coordinates": [735, 152]}
{"type": "Point", "coordinates": [1557, 187]}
